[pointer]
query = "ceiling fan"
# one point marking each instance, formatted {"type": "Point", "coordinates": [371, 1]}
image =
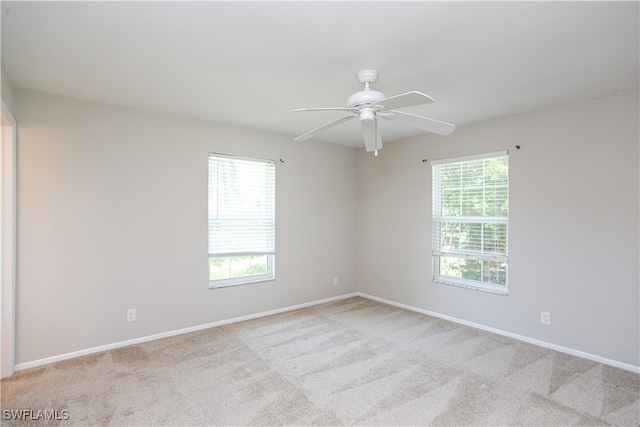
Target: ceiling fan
{"type": "Point", "coordinates": [369, 104]}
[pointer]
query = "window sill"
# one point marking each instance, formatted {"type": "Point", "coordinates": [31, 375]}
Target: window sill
{"type": "Point", "coordinates": [480, 288]}
{"type": "Point", "coordinates": [247, 282]}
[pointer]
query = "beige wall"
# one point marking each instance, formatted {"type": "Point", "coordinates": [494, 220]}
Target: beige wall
{"type": "Point", "coordinates": [574, 226]}
{"type": "Point", "coordinates": [112, 215]}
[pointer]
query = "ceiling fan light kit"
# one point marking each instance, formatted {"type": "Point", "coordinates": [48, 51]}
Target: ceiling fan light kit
{"type": "Point", "coordinates": [367, 115]}
{"type": "Point", "coordinates": [369, 104]}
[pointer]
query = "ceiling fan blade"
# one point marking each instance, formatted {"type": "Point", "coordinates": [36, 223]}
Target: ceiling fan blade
{"type": "Point", "coordinates": [424, 123]}
{"type": "Point", "coordinates": [403, 100]}
{"type": "Point", "coordinates": [352, 110]}
{"type": "Point", "coordinates": [371, 135]}
{"type": "Point", "coordinates": [322, 128]}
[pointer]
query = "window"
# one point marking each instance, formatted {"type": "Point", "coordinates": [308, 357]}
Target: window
{"type": "Point", "coordinates": [471, 221]}
{"type": "Point", "coordinates": [241, 220]}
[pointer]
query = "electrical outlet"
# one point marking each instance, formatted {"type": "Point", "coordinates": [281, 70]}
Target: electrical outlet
{"type": "Point", "coordinates": [335, 281]}
{"type": "Point", "coordinates": [545, 318]}
{"type": "Point", "coordinates": [131, 315]}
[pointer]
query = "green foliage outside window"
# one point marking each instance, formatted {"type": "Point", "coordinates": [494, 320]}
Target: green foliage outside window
{"type": "Point", "coordinates": [238, 266]}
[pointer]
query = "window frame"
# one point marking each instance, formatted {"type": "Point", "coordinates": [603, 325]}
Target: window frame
{"type": "Point", "coordinates": [269, 275]}
{"type": "Point", "coordinates": [437, 218]}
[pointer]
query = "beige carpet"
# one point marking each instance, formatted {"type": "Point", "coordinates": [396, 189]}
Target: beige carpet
{"type": "Point", "coordinates": [350, 362]}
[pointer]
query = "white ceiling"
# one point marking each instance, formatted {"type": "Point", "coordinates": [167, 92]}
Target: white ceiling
{"type": "Point", "coordinates": [251, 63]}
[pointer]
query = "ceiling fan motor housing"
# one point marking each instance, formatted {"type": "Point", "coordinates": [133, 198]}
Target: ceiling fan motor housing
{"type": "Point", "coordinates": [367, 97]}
{"type": "Point", "coordinates": [364, 98]}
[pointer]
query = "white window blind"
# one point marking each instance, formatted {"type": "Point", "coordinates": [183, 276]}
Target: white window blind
{"type": "Point", "coordinates": [241, 206]}
{"type": "Point", "coordinates": [471, 219]}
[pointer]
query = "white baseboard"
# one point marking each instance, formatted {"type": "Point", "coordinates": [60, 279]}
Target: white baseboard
{"type": "Point", "coordinates": [574, 352]}
{"type": "Point", "coordinates": [47, 360]}
{"type": "Point", "coordinates": [533, 341]}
